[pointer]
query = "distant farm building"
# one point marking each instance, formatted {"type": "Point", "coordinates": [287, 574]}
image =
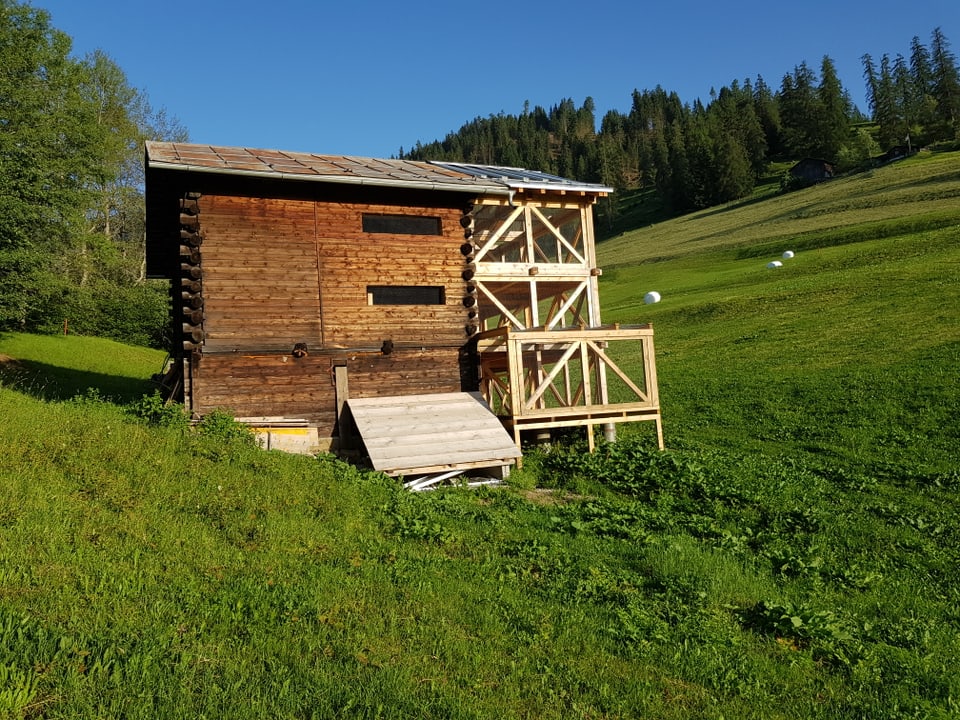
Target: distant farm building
{"type": "Point", "coordinates": [423, 314]}
{"type": "Point", "coordinates": [897, 152]}
{"type": "Point", "coordinates": [811, 170]}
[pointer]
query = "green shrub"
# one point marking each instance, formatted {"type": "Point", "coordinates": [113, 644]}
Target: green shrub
{"type": "Point", "coordinates": [828, 636]}
{"type": "Point", "coordinates": [133, 314]}
{"type": "Point", "coordinates": [156, 411]}
{"type": "Point", "coordinates": [221, 425]}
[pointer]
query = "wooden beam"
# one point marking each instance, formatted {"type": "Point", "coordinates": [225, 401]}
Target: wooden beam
{"type": "Point", "coordinates": [560, 238]}
{"type": "Point", "coordinates": [561, 363]}
{"type": "Point", "coordinates": [503, 310]}
{"type": "Point", "coordinates": [566, 306]}
{"type": "Point", "coordinates": [504, 226]}
{"type": "Point", "coordinates": [609, 363]}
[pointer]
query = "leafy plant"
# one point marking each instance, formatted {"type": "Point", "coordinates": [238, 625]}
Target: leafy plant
{"type": "Point", "coordinates": [18, 689]}
{"type": "Point", "coordinates": [829, 637]}
{"type": "Point", "coordinates": [221, 425]}
{"type": "Point", "coordinates": [156, 411]}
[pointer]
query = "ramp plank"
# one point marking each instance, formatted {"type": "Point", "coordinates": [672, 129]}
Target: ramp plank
{"type": "Point", "coordinates": [411, 434]}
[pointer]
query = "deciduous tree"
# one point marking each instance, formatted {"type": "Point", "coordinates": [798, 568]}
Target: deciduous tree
{"type": "Point", "coordinates": [71, 201]}
{"type": "Point", "coordinates": [49, 150]}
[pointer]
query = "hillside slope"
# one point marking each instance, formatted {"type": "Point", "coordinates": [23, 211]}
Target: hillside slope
{"type": "Point", "coordinates": [794, 554]}
{"type": "Point", "coordinates": [847, 349]}
{"type": "Point", "coordinates": [923, 190]}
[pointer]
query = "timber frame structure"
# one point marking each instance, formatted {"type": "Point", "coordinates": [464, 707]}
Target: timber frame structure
{"type": "Point", "coordinates": [302, 283]}
{"type": "Point", "coordinates": [545, 357]}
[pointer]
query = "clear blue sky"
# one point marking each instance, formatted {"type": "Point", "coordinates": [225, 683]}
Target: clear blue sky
{"type": "Point", "coordinates": [367, 77]}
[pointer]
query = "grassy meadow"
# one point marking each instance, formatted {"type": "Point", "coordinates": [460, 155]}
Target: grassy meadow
{"type": "Point", "coordinates": [847, 351]}
{"type": "Point", "coordinates": [793, 554]}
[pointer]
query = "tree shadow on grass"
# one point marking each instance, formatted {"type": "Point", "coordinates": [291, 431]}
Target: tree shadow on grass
{"type": "Point", "coordinates": [52, 382]}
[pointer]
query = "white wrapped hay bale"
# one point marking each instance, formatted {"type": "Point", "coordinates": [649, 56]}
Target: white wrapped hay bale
{"type": "Point", "coordinates": [651, 297]}
{"type": "Point", "coordinates": [788, 254]}
{"type": "Point", "coordinates": [774, 264]}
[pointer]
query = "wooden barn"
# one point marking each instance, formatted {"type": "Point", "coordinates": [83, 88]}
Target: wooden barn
{"type": "Point", "coordinates": [812, 170]}
{"type": "Point", "coordinates": [422, 314]}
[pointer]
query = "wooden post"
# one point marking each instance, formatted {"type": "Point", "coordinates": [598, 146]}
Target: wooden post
{"type": "Point", "coordinates": [585, 370]}
{"type": "Point", "coordinates": [650, 378]}
{"type": "Point", "coordinates": [342, 392]}
{"type": "Point", "coordinates": [515, 369]}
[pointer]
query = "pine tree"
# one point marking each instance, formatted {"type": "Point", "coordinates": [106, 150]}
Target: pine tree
{"type": "Point", "coordinates": [922, 103]}
{"type": "Point", "coordinates": [834, 121]}
{"type": "Point", "coordinates": [698, 187]}
{"type": "Point", "coordinates": [673, 179]}
{"type": "Point", "coordinates": [872, 82]}
{"type": "Point", "coordinates": [733, 175]}
{"type": "Point", "coordinates": [736, 118]}
{"type": "Point", "coordinates": [946, 86]}
{"type": "Point", "coordinates": [888, 113]}
{"type": "Point", "coordinates": [614, 151]}
{"type": "Point", "coordinates": [903, 88]}
{"type": "Point", "coordinates": [800, 113]}
{"type": "Point", "coordinates": [768, 114]}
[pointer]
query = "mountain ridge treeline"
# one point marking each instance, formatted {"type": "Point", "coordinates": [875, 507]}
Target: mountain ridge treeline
{"type": "Point", "coordinates": [695, 155]}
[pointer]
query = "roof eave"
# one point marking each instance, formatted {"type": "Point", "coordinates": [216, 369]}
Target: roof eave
{"type": "Point", "coordinates": [472, 188]}
{"type": "Point", "coordinates": [553, 187]}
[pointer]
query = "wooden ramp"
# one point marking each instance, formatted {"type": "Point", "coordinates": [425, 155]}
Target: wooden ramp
{"type": "Point", "coordinates": [437, 433]}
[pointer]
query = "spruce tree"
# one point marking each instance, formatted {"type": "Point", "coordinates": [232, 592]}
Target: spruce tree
{"type": "Point", "coordinates": [872, 82]}
{"type": "Point", "coordinates": [922, 103]}
{"type": "Point", "coordinates": [800, 113]}
{"type": "Point", "coordinates": [946, 86]}
{"type": "Point", "coordinates": [834, 121]}
{"type": "Point", "coordinates": [768, 114]}
{"type": "Point", "coordinates": [888, 114]}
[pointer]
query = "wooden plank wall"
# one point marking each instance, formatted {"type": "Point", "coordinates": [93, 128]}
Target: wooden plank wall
{"type": "Point", "coordinates": [350, 260]}
{"type": "Point", "coordinates": [284, 386]}
{"type": "Point", "coordinates": [260, 281]}
{"type": "Point", "coordinates": [267, 385]}
{"type": "Point", "coordinates": [277, 272]}
{"type": "Point", "coordinates": [407, 372]}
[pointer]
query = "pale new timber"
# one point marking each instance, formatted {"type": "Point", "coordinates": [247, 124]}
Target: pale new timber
{"type": "Point", "coordinates": [415, 434]}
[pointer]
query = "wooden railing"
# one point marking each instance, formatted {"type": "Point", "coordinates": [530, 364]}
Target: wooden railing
{"type": "Point", "coordinates": [538, 378]}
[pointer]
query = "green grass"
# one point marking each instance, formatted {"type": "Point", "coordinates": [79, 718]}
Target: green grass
{"type": "Point", "coordinates": [58, 367]}
{"type": "Point", "coordinates": [847, 350]}
{"type": "Point", "coordinates": [793, 554]}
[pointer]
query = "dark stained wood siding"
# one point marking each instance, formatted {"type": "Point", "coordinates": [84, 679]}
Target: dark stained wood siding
{"type": "Point", "coordinates": [277, 272]}
{"type": "Point", "coordinates": [266, 385]}
{"type": "Point", "coordinates": [351, 260]}
{"type": "Point", "coordinates": [260, 284]}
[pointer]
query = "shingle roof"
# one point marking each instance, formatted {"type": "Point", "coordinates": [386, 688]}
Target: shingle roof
{"type": "Point", "coordinates": [357, 170]}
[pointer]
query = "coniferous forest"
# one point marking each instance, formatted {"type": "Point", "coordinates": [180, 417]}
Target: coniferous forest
{"type": "Point", "coordinates": [72, 132]}
{"type": "Point", "coordinates": [694, 155]}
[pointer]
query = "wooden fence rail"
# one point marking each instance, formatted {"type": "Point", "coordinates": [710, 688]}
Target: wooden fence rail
{"type": "Point", "coordinates": [544, 379]}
